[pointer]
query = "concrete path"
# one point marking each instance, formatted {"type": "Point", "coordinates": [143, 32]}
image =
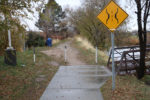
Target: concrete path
{"type": "Point", "coordinates": [77, 83]}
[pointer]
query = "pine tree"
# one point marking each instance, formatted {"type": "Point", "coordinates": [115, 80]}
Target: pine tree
{"type": "Point", "coordinates": [50, 20]}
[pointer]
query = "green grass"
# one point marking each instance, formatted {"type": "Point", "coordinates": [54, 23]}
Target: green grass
{"type": "Point", "coordinates": [20, 82]}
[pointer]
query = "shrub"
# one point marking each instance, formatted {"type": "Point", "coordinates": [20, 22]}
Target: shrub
{"type": "Point", "coordinates": [34, 39]}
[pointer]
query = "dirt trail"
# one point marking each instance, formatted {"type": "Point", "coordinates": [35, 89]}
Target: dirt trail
{"type": "Point", "coordinates": [72, 53]}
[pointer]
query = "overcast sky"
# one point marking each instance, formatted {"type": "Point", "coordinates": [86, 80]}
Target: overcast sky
{"type": "Point", "coordinates": [132, 18]}
{"type": "Point", "coordinates": [71, 3]}
{"type": "Point", "coordinates": [74, 4]}
{"type": "Point", "coordinates": [30, 23]}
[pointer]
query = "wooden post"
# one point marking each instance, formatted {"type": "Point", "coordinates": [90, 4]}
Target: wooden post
{"type": "Point", "coordinates": [65, 55]}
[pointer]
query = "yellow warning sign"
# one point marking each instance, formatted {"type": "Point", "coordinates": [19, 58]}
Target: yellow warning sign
{"type": "Point", "coordinates": [112, 16]}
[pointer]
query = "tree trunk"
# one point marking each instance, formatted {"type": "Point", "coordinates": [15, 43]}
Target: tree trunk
{"type": "Point", "coordinates": [142, 9]}
{"type": "Point", "coordinates": [141, 68]}
{"type": "Point", "coordinates": [142, 36]}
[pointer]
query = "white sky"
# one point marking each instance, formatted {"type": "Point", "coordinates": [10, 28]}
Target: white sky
{"type": "Point", "coordinates": [74, 4]}
{"type": "Point", "coordinates": [71, 3]}
{"type": "Point", "coordinates": [30, 23]}
{"type": "Point", "coordinates": [132, 18]}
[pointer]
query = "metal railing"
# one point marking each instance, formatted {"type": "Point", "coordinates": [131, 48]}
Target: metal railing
{"type": "Point", "coordinates": [127, 59]}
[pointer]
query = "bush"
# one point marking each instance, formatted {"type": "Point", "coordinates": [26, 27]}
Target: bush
{"type": "Point", "coordinates": [34, 39]}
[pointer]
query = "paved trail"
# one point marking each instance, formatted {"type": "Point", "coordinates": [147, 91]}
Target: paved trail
{"type": "Point", "coordinates": [76, 81]}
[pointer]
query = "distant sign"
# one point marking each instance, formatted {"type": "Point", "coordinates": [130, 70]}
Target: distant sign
{"type": "Point", "coordinates": [112, 16]}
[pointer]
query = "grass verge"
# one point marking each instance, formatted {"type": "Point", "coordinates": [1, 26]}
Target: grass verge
{"type": "Point", "coordinates": [127, 88]}
{"type": "Point", "coordinates": [27, 80]}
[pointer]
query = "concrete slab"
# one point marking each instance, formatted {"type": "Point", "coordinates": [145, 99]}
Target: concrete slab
{"type": "Point", "coordinates": [72, 94]}
{"type": "Point", "coordinates": [77, 83]}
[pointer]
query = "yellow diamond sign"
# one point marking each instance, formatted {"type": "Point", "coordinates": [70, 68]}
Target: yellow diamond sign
{"type": "Point", "coordinates": [112, 16]}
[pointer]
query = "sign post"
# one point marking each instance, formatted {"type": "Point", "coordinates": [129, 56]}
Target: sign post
{"type": "Point", "coordinates": [113, 65]}
{"type": "Point", "coordinates": [112, 16]}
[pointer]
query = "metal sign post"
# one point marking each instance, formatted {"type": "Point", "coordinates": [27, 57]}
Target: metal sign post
{"type": "Point", "coordinates": [113, 65]}
{"type": "Point", "coordinates": [112, 16]}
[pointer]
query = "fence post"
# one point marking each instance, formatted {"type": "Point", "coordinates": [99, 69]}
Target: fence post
{"type": "Point", "coordinates": [96, 55]}
{"type": "Point", "coordinates": [65, 55]}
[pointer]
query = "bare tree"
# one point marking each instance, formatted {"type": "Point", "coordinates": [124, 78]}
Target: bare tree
{"type": "Point", "coordinates": [89, 26]}
{"type": "Point", "coordinates": [143, 7]}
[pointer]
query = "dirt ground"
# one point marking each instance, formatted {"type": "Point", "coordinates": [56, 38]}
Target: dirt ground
{"type": "Point", "coordinates": [71, 53]}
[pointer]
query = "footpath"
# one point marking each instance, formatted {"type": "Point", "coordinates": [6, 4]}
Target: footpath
{"type": "Point", "coordinates": [77, 81]}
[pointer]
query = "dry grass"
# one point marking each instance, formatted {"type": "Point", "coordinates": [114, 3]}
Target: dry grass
{"type": "Point", "coordinates": [87, 52]}
{"type": "Point", "coordinates": [55, 41]}
{"type": "Point", "coordinates": [84, 42]}
{"type": "Point", "coordinates": [127, 88]}
{"type": "Point", "coordinates": [133, 40]}
{"type": "Point", "coordinates": [87, 45]}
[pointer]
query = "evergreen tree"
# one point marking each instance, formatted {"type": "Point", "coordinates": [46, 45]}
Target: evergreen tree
{"type": "Point", "coordinates": [51, 19]}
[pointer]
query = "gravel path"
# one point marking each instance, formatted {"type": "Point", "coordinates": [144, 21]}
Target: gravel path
{"type": "Point", "coordinates": [72, 53]}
